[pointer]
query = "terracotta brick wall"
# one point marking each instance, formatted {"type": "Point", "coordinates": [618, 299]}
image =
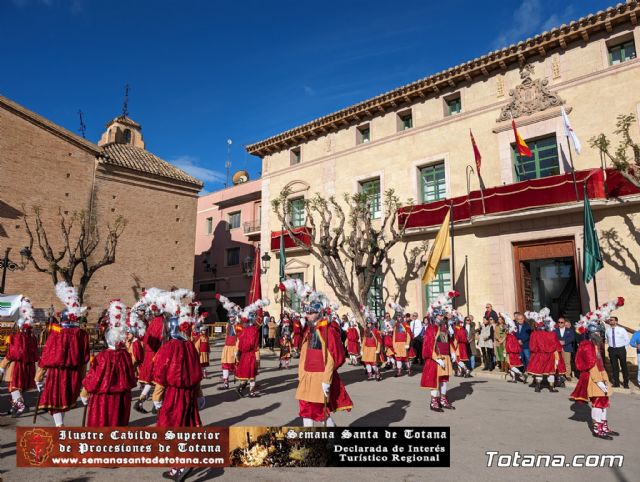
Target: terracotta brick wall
{"type": "Point", "coordinates": [40, 168]}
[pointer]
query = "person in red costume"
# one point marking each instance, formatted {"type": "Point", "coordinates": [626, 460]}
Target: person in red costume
{"type": "Point", "coordinates": [387, 343]}
{"type": "Point", "coordinates": [111, 376]}
{"type": "Point", "coordinates": [296, 340]}
{"type": "Point", "coordinates": [371, 348]}
{"type": "Point", "coordinates": [512, 349]}
{"type": "Point", "coordinates": [593, 386]}
{"type": "Point", "coordinates": [320, 390]}
{"type": "Point", "coordinates": [460, 346]}
{"type": "Point", "coordinates": [247, 346]}
{"type": "Point", "coordinates": [402, 337]}
{"type": "Point", "coordinates": [19, 366]}
{"type": "Point", "coordinates": [436, 354]}
{"type": "Point", "coordinates": [64, 358]}
{"type": "Point", "coordinates": [352, 343]}
{"type": "Point", "coordinates": [543, 346]}
{"type": "Point", "coordinates": [135, 330]}
{"type": "Point", "coordinates": [561, 368]}
{"type": "Point", "coordinates": [177, 375]}
{"type": "Point", "coordinates": [152, 341]}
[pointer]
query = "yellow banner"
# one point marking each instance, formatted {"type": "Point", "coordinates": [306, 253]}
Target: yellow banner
{"type": "Point", "coordinates": [441, 248]}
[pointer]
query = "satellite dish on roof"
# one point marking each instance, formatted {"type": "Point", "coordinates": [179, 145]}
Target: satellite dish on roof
{"type": "Point", "coordinates": [240, 177]}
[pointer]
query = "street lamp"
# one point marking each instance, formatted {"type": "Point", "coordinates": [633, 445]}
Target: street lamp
{"type": "Point", "coordinates": [266, 262]}
{"type": "Point", "coordinates": [7, 265]}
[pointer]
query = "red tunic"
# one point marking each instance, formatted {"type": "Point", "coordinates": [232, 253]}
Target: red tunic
{"type": "Point", "coordinates": [297, 334]}
{"type": "Point", "coordinates": [338, 397]}
{"type": "Point", "coordinates": [248, 343]}
{"type": "Point", "coordinates": [586, 359]}
{"type": "Point", "coordinates": [513, 350]}
{"type": "Point", "coordinates": [109, 381]}
{"type": "Point", "coordinates": [429, 379]}
{"type": "Point", "coordinates": [353, 341]}
{"type": "Point", "coordinates": [23, 354]}
{"type": "Point", "coordinates": [542, 345]}
{"type": "Point", "coordinates": [65, 355]}
{"type": "Point", "coordinates": [152, 342]}
{"type": "Point", "coordinates": [137, 351]}
{"type": "Point", "coordinates": [461, 343]}
{"type": "Point", "coordinates": [177, 369]}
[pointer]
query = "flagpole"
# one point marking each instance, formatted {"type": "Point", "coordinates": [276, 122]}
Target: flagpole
{"type": "Point", "coordinates": [466, 276]}
{"type": "Point", "coordinates": [453, 256]}
{"type": "Point", "coordinates": [595, 291]}
{"type": "Point", "coordinates": [573, 170]}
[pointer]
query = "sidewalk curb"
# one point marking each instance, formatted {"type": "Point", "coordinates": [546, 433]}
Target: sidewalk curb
{"type": "Point", "coordinates": [501, 376]}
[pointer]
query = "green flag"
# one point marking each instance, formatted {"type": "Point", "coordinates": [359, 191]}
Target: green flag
{"type": "Point", "coordinates": [592, 258]}
{"type": "Point", "coordinates": [283, 258]}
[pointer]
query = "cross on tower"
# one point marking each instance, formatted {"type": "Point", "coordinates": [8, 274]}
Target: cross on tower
{"type": "Point", "coordinates": [125, 104]}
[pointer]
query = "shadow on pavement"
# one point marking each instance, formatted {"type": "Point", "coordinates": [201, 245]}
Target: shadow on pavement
{"type": "Point", "coordinates": [462, 391]}
{"type": "Point", "coordinates": [243, 416]}
{"type": "Point", "coordinates": [385, 416]}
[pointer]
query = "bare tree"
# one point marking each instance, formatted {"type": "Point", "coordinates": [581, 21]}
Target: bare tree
{"type": "Point", "coordinates": [414, 259]}
{"type": "Point", "coordinates": [78, 237]}
{"type": "Point", "coordinates": [350, 246]}
{"type": "Point", "coordinates": [626, 157]}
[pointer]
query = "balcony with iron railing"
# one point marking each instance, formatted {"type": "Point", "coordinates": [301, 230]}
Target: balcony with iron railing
{"type": "Point", "coordinates": [251, 228]}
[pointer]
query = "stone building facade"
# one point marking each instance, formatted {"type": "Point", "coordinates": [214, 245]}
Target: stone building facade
{"type": "Point", "coordinates": [45, 165]}
{"type": "Point", "coordinates": [522, 250]}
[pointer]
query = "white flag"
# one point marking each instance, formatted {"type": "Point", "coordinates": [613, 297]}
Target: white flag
{"type": "Point", "coordinates": [569, 132]}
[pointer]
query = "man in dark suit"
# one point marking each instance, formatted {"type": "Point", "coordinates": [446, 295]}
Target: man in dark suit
{"type": "Point", "coordinates": [567, 337]}
{"type": "Point", "coordinates": [523, 333]}
{"type": "Point", "coordinates": [490, 313]}
{"type": "Point", "coordinates": [470, 328]}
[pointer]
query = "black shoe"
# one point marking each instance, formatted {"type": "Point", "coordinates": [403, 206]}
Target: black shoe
{"type": "Point", "coordinates": [485, 369]}
{"type": "Point", "coordinates": [240, 389]}
{"type": "Point", "coordinates": [538, 388]}
{"type": "Point", "coordinates": [616, 385]}
{"type": "Point", "coordinates": [625, 385]}
{"type": "Point", "coordinates": [138, 407]}
{"type": "Point", "coordinates": [154, 410]}
{"type": "Point", "coordinates": [552, 389]}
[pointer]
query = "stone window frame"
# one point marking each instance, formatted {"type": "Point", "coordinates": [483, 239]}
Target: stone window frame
{"type": "Point", "coordinates": [359, 133]}
{"type": "Point", "coordinates": [418, 164]}
{"type": "Point", "coordinates": [372, 176]}
{"type": "Point", "coordinates": [616, 39]}
{"type": "Point", "coordinates": [400, 115]}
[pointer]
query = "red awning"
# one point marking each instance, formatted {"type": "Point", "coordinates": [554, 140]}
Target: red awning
{"type": "Point", "coordinates": [520, 196]}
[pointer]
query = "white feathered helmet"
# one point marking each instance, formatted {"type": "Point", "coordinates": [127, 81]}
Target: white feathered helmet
{"type": "Point", "coordinates": [26, 319]}
{"type": "Point", "coordinates": [117, 316]}
{"type": "Point", "coordinates": [70, 316]}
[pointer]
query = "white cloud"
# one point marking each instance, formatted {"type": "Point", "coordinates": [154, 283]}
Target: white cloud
{"type": "Point", "coordinates": [528, 20]}
{"type": "Point", "coordinates": [309, 91]}
{"type": "Point", "coordinates": [189, 164]}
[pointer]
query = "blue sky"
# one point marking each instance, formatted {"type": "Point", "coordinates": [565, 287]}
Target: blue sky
{"type": "Point", "coordinates": [205, 71]}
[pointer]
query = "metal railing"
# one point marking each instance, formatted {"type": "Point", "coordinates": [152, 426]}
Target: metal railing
{"type": "Point", "coordinates": [251, 226]}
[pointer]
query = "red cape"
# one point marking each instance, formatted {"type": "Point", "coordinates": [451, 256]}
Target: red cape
{"type": "Point", "coordinates": [23, 354]}
{"type": "Point", "coordinates": [109, 381]}
{"type": "Point", "coordinates": [177, 368]}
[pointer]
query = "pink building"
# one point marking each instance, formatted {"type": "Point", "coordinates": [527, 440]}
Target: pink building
{"type": "Point", "coordinates": [227, 234]}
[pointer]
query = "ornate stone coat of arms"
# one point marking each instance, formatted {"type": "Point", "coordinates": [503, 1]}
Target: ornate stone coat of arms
{"type": "Point", "coordinates": [531, 96]}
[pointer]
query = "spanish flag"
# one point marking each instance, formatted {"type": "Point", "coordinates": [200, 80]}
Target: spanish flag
{"type": "Point", "coordinates": [441, 248]}
{"type": "Point", "coordinates": [521, 145]}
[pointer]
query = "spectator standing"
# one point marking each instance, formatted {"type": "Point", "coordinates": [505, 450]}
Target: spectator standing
{"type": "Point", "coordinates": [417, 329]}
{"type": "Point", "coordinates": [272, 327]}
{"type": "Point", "coordinates": [567, 337]}
{"type": "Point", "coordinates": [635, 343]}
{"type": "Point", "coordinates": [523, 333]}
{"type": "Point", "coordinates": [486, 344]}
{"type": "Point", "coordinates": [490, 313]}
{"type": "Point", "coordinates": [470, 328]}
{"type": "Point", "coordinates": [618, 339]}
{"type": "Point", "coordinates": [500, 337]}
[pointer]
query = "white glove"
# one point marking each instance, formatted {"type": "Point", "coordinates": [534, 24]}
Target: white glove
{"type": "Point", "coordinates": [84, 400]}
{"type": "Point", "coordinates": [453, 357]}
{"type": "Point", "coordinates": [39, 386]}
{"type": "Point", "coordinates": [406, 347]}
{"type": "Point", "coordinates": [556, 363]}
{"type": "Point", "coordinates": [158, 405]}
{"type": "Point", "coordinates": [1, 372]}
{"type": "Point", "coordinates": [201, 403]}
{"type": "Point", "coordinates": [325, 389]}
{"type": "Point", "coordinates": [602, 386]}
{"type": "Point", "coordinates": [451, 331]}
{"type": "Point", "coordinates": [440, 362]}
